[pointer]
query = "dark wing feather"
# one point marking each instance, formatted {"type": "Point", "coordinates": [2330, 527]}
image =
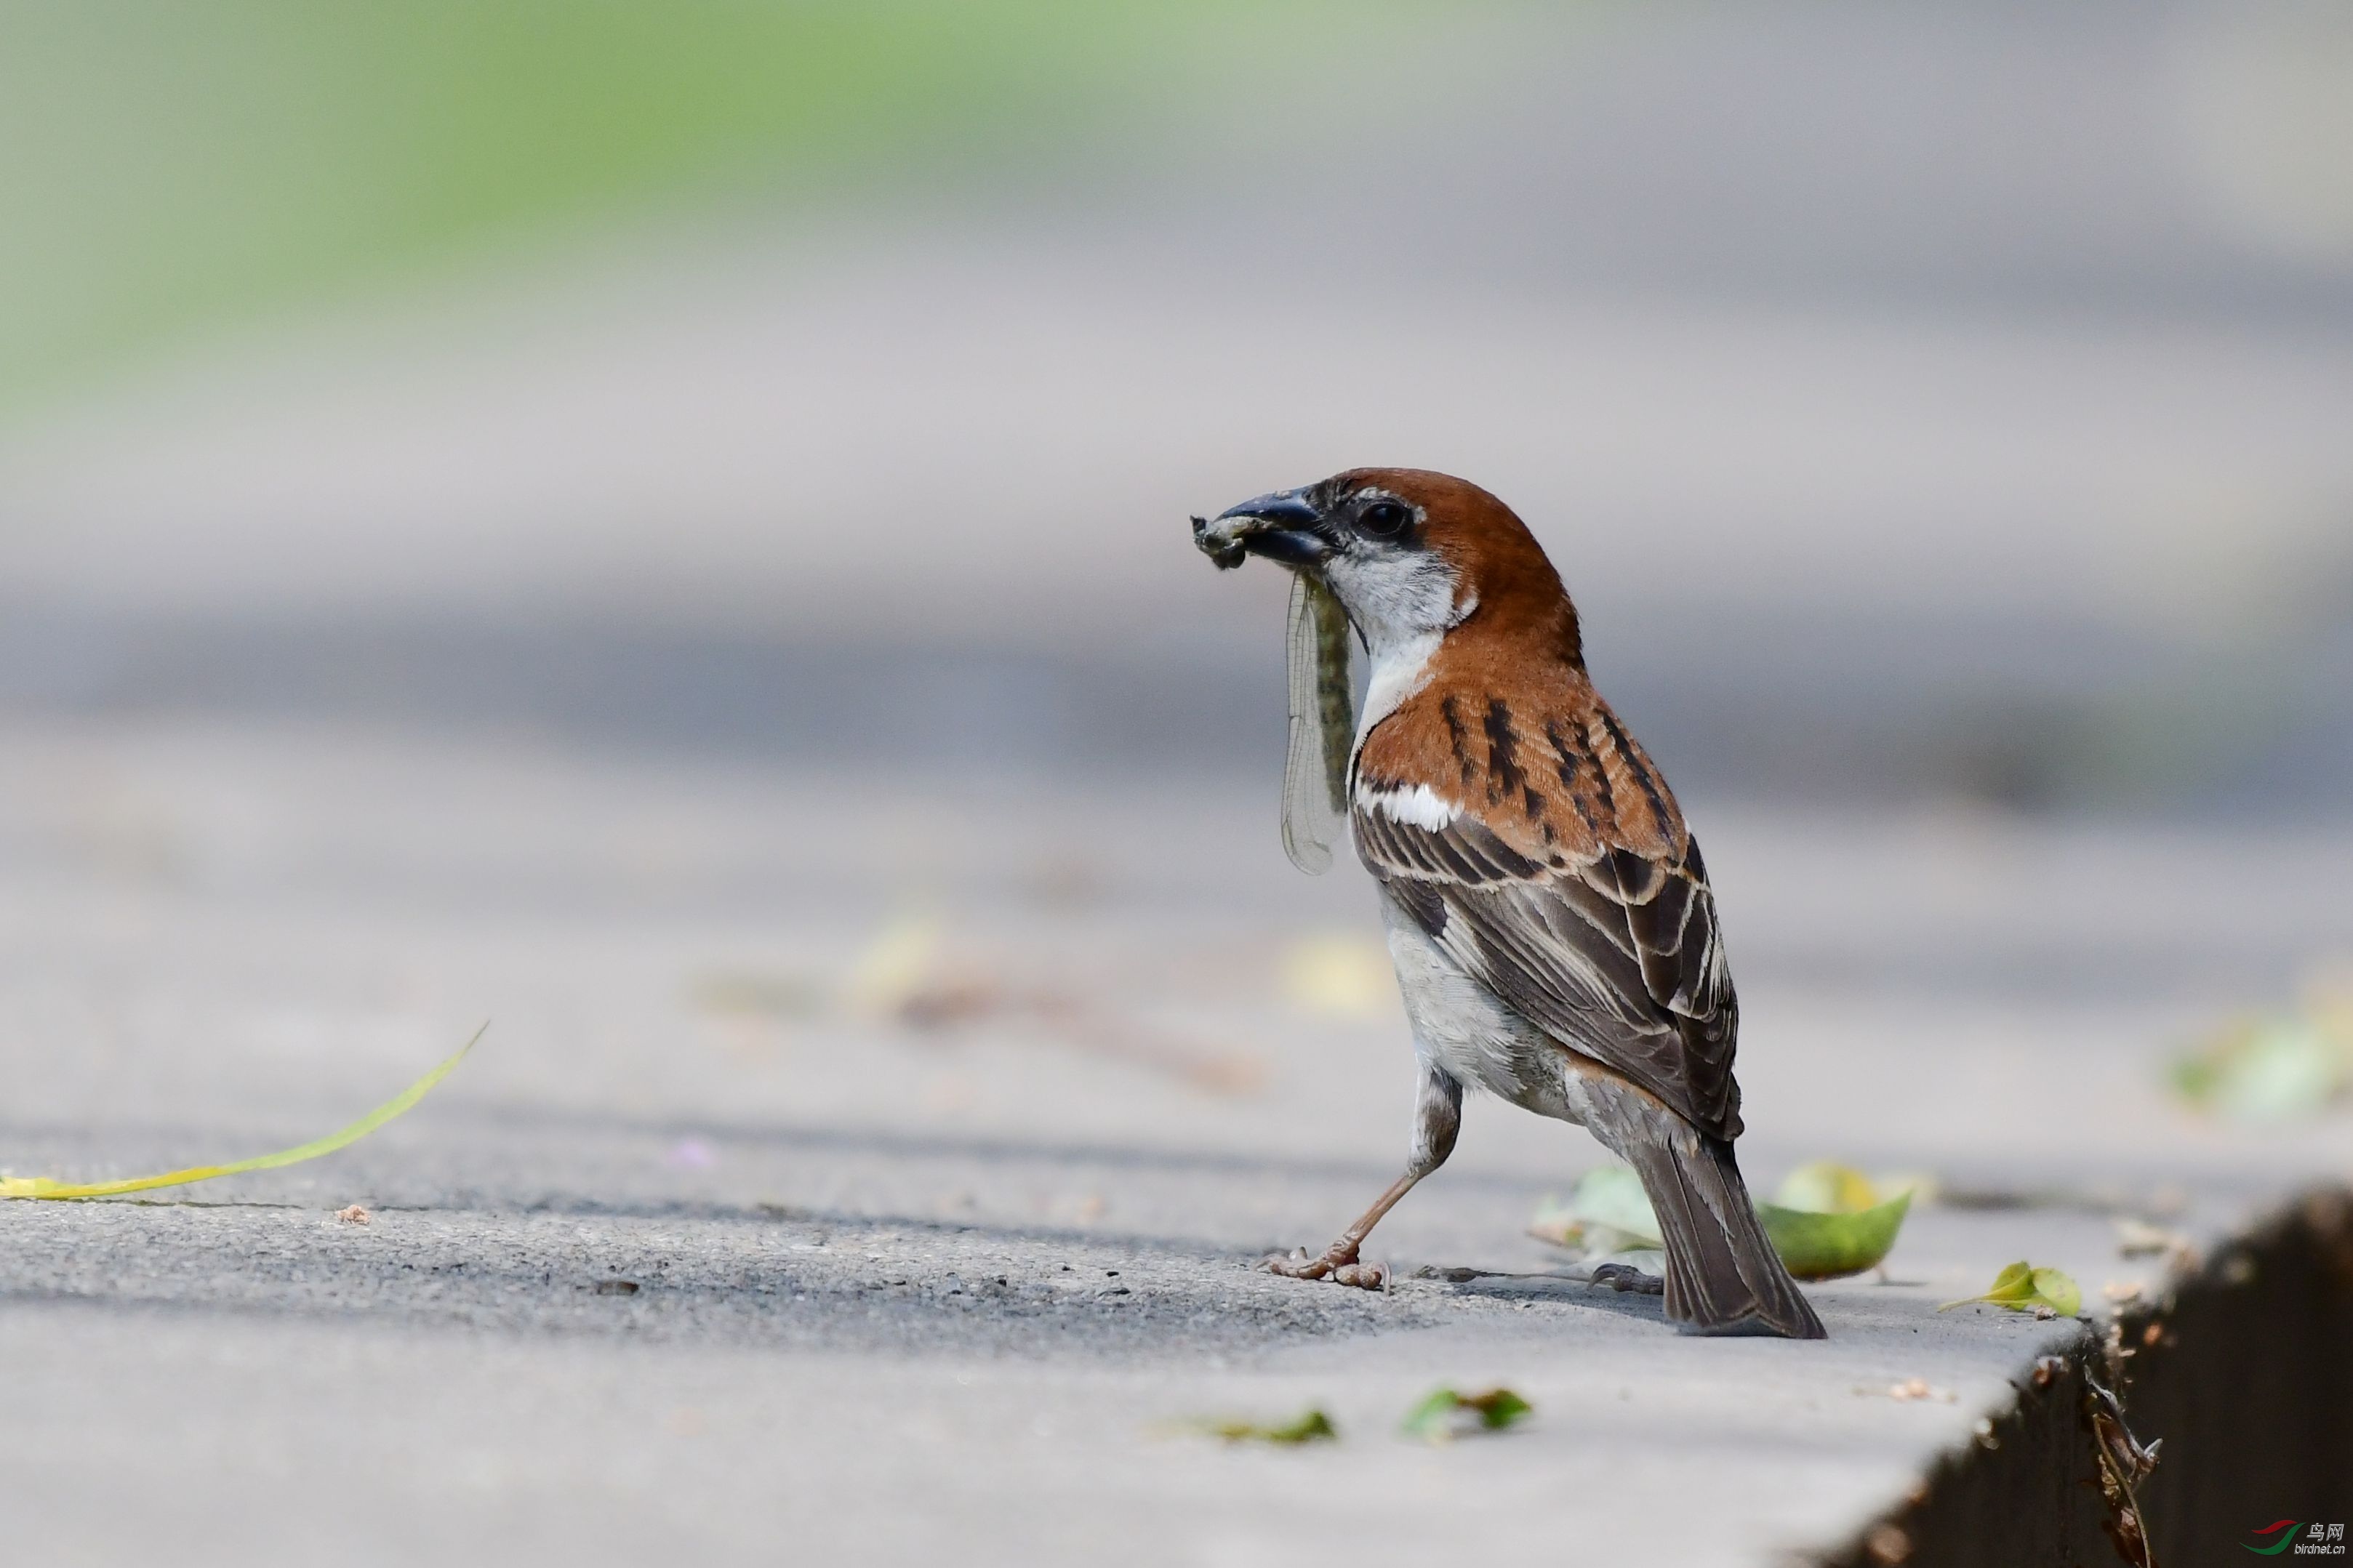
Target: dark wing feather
{"type": "Point", "coordinates": [1618, 955]}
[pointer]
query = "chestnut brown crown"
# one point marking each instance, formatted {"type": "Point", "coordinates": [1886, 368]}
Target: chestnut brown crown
{"type": "Point", "coordinates": [1506, 586]}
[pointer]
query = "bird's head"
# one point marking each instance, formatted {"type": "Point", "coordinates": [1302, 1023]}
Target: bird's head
{"type": "Point", "coordinates": [1408, 553]}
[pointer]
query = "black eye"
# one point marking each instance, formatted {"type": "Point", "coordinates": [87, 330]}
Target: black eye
{"type": "Point", "coordinates": [1385, 518]}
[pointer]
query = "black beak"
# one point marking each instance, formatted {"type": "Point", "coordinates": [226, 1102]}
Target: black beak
{"type": "Point", "coordinates": [1285, 527]}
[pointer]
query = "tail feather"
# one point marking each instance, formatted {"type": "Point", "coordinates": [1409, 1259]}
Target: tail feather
{"type": "Point", "coordinates": [1723, 1275]}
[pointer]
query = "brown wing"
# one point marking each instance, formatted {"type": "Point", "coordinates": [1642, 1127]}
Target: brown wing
{"type": "Point", "coordinates": [1565, 881]}
{"type": "Point", "coordinates": [1617, 957]}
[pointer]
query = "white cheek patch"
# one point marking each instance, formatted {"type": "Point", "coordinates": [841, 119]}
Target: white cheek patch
{"type": "Point", "coordinates": [1393, 597]}
{"type": "Point", "coordinates": [1403, 605]}
{"type": "Point", "coordinates": [1419, 806]}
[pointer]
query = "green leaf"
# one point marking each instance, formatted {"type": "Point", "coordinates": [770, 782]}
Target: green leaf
{"type": "Point", "coordinates": [2269, 1070]}
{"type": "Point", "coordinates": [1443, 1415]}
{"type": "Point", "coordinates": [1310, 1425]}
{"type": "Point", "coordinates": [1498, 1408]}
{"type": "Point", "coordinates": [2015, 1283]}
{"type": "Point", "coordinates": [2058, 1291]}
{"type": "Point", "coordinates": [1817, 1238]}
{"type": "Point", "coordinates": [2022, 1287]}
{"type": "Point", "coordinates": [1830, 1245]}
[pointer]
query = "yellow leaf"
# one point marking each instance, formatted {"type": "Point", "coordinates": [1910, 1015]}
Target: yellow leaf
{"type": "Point", "coordinates": [1825, 1186]}
{"type": "Point", "coordinates": [2022, 1287]}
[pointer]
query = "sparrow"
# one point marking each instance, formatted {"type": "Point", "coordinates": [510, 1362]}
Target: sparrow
{"type": "Point", "coordinates": [1554, 932]}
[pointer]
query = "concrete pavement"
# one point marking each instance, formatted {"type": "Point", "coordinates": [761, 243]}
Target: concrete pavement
{"type": "Point", "coordinates": [908, 1291]}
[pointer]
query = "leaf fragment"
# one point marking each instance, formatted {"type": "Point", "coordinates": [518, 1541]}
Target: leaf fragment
{"type": "Point", "coordinates": [44, 1187]}
{"type": "Point", "coordinates": [1443, 1415]}
{"type": "Point", "coordinates": [1310, 1425]}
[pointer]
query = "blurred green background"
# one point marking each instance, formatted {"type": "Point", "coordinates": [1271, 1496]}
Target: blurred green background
{"type": "Point", "coordinates": [1943, 403]}
{"type": "Point", "coordinates": [173, 165]}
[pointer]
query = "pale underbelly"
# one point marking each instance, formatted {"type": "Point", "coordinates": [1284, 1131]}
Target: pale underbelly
{"type": "Point", "coordinates": [1465, 1028]}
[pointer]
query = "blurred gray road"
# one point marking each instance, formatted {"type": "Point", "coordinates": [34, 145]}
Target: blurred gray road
{"type": "Point", "coordinates": [906, 1291]}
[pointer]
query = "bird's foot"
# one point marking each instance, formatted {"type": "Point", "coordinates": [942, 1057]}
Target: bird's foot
{"type": "Point", "coordinates": [1625, 1277]}
{"type": "Point", "coordinates": [1336, 1263]}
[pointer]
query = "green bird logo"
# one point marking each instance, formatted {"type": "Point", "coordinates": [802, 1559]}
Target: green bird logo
{"type": "Point", "coordinates": [2284, 1529]}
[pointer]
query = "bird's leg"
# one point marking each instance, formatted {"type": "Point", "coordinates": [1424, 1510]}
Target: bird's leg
{"type": "Point", "coordinates": [1437, 1118]}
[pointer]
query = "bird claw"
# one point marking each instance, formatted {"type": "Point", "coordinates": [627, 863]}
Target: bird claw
{"type": "Point", "coordinates": [1625, 1277]}
{"type": "Point", "coordinates": [1341, 1267]}
{"type": "Point", "coordinates": [1299, 1264]}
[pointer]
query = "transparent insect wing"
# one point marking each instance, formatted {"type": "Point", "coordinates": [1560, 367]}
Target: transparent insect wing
{"type": "Point", "coordinates": [1322, 727]}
